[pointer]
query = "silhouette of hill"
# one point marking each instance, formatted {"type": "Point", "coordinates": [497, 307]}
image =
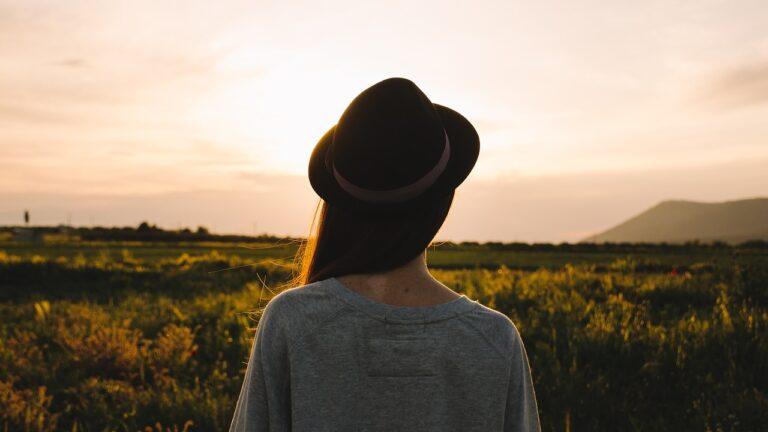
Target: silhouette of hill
{"type": "Point", "coordinates": [682, 221]}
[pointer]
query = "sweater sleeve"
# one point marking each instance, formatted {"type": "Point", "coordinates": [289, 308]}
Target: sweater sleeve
{"type": "Point", "coordinates": [522, 411]}
{"type": "Point", "coordinates": [264, 403]}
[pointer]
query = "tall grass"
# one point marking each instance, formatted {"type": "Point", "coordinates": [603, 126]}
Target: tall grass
{"type": "Point", "coordinates": [112, 342]}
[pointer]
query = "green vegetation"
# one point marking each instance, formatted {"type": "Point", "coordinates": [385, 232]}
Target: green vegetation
{"type": "Point", "coordinates": [133, 336]}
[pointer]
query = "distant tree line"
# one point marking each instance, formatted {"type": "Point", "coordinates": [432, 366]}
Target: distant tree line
{"type": "Point", "coordinates": [150, 232]}
{"type": "Point", "coordinates": [604, 247]}
{"type": "Point", "coordinates": [143, 232]}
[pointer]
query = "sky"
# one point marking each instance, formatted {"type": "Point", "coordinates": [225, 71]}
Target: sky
{"type": "Point", "coordinates": [205, 113]}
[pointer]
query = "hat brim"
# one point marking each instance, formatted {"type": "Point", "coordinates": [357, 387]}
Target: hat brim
{"type": "Point", "coordinates": [465, 148]}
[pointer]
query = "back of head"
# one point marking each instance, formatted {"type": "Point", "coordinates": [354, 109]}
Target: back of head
{"type": "Point", "coordinates": [348, 242]}
{"type": "Point", "coordinates": [386, 173]}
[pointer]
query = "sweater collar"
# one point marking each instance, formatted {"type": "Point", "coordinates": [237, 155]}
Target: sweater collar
{"type": "Point", "coordinates": [401, 314]}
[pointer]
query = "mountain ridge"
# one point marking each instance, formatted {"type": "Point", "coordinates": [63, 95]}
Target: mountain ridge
{"type": "Point", "coordinates": [678, 221]}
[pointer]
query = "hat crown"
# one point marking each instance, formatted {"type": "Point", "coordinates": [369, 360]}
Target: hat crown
{"type": "Point", "coordinates": [389, 136]}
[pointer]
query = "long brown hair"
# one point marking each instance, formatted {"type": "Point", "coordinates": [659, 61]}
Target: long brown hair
{"type": "Point", "coordinates": [346, 242]}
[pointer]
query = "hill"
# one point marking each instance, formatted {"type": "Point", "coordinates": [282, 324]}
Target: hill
{"type": "Point", "coordinates": [682, 221]}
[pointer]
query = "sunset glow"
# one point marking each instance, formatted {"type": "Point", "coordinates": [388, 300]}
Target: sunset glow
{"type": "Point", "coordinates": [99, 99]}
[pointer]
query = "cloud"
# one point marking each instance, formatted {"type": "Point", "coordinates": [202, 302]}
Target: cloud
{"type": "Point", "coordinates": [741, 86]}
{"type": "Point", "coordinates": [31, 115]}
{"type": "Point", "coordinates": [552, 208]}
{"type": "Point", "coordinates": [72, 63]}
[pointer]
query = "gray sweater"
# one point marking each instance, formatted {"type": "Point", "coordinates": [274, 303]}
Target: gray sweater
{"type": "Point", "coordinates": [326, 359]}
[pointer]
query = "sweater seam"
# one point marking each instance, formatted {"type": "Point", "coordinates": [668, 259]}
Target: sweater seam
{"type": "Point", "coordinates": [486, 338]}
{"type": "Point", "coordinates": [509, 386]}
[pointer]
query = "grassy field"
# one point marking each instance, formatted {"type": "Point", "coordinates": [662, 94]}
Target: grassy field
{"type": "Point", "coordinates": [448, 257]}
{"type": "Point", "coordinates": [153, 336]}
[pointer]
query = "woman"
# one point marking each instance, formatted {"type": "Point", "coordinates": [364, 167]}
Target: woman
{"type": "Point", "coordinates": [371, 341]}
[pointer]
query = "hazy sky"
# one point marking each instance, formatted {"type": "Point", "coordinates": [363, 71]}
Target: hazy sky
{"type": "Point", "coordinates": [588, 111]}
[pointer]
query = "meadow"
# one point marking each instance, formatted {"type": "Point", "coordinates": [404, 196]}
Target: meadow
{"type": "Point", "coordinates": [153, 336]}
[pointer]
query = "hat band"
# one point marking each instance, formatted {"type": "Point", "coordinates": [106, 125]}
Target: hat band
{"type": "Point", "coordinates": [400, 194]}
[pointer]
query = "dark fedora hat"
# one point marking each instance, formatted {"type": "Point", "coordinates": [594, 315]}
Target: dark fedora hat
{"type": "Point", "coordinates": [393, 150]}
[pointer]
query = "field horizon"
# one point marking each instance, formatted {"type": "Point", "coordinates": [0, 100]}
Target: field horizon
{"type": "Point", "coordinates": [741, 221]}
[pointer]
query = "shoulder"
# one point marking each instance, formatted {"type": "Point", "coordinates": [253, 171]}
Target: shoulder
{"type": "Point", "coordinates": [303, 298]}
{"type": "Point", "coordinates": [497, 329]}
{"type": "Point", "coordinates": [300, 308]}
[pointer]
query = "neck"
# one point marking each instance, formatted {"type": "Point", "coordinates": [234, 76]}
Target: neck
{"type": "Point", "coordinates": [416, 268]}
{"type": "Point", "coordinates": [408, 285]}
